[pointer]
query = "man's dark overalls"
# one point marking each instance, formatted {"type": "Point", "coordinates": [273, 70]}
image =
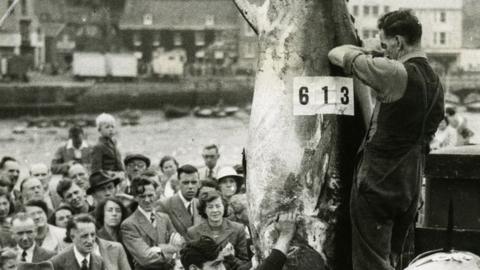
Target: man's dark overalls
{"type": "Point", "coordinates": [390, 166]}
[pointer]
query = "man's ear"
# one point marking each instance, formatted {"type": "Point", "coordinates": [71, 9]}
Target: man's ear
{"type": "Point", "coordinates": [400, 42]}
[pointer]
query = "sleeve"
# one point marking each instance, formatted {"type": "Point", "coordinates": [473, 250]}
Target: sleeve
{"type": "Point", "coordinates": [58, 165]}
{"type": "Point", "coordinates": [276, 260]}
{"type": "Point", "coordinates": [122, 259]}
{"type": "Point", "coordinates": [139, 250]}
{"type": "Point", "coordinates": [388, 78]}
{"type": "Point", "coordinates": [241, 248]}
{"type": "Point", "coordinates": [97, 158]}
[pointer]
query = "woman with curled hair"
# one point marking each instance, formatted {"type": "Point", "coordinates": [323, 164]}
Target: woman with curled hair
{"type": "Point", "coordinates": [110, 213]}
{"type": "Point", "coordinates": [60, 216]}
{"type": "Point", "coordinates": [226, 233]}
{"type": "Point", "coordinates": [8, 259]}
{"type": "Point", "coordinates": [169, 165]}
{"type": "Point", "coordinates": [7, 207]}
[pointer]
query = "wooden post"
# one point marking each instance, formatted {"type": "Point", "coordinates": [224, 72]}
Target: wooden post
{"type": "Point", "coordinates": [300, 162]}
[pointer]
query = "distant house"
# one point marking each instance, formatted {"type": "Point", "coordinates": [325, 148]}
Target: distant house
{"type": "Point", "coordinates": [206, 29]}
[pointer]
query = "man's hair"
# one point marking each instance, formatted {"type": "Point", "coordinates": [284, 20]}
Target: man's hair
{"type": "Point", "coordinates": [63, 186]}
{"type": "Point", "coordinates": [74, 131]}
{"type": "Point", "coordinates": [38, 203]}
{"type": "Point", "coordinates": [139, 183]}
{"type": "Point", "coordinates": [72, 224]}
{"type": "Point", "coordinates": [211, 146]}
{"type": "Point", "coordinates": [4, 160]}
{"type": "Point", "coordinates": [22, 216]}
{"type": "Point", "coordinates": [199, 252]}
{"type": "Point", "coordinates": [207, 183]}
{"type": "Point", "coordinates": [401, 22]}
{"type": "Point", "coordinates": [165, 159]}
{"type": "Point", "coordinates": [9, 198]}
{"type": "Point", "coordinates": [26, 180]}
{"type": "Point", "coordinates": [187, 169]}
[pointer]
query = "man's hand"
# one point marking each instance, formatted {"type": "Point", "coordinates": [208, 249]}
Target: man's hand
{"type": "Point", "coordinates": [228, 250]}
{"type": "Point", "coordinates": [336, 54]}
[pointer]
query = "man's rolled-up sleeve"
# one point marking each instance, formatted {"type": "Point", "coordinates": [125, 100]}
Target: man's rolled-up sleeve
{"type": "Point", "coordinates": [388, 78]}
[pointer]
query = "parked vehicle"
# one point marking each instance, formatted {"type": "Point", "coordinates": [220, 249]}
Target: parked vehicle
{"type": "Point", "coordinates": [102, 66]}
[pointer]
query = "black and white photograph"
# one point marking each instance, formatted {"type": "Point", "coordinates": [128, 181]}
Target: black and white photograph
{"type": "Point", "coordinates": [239, 134]}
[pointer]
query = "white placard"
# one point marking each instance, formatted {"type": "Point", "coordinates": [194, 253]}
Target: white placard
{"type": "Point", "coordinates": [323, 95]}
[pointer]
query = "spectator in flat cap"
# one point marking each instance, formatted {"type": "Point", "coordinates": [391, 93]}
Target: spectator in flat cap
{"type": "Point", "coordinates": [76, 149]}
{"type": "Point", "coordinates": [135, 165]}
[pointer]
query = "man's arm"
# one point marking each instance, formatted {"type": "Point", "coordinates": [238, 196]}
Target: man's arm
{"type": "Point", "coordinates": [388, 78]}
{"type": "Point", "coordinates": [141, 252]}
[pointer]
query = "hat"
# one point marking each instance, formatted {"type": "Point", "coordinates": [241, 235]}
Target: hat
{"type": "Point", "coordinates": [46, 265]}
{"type": "Point", "coordinates": [131, 157]}
{"type": "Point", "coordinates": [229, 172]}
{"type": "Point", "coordinates": [100, 178]}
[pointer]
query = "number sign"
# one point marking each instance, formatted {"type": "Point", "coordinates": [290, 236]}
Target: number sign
{"type": "Point", "coordinates": [323, 95]}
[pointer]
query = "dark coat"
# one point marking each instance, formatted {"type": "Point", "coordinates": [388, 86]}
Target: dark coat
{"type": "Point", "coordinates": [179, 215]}
{"type": "Point", "coordinates": [231, 232]}
{"type": "Point", "coordinates": [106, 156]}
{"type": "Point", "coordinates": [139, 235]}
{"type": "Point", "coordinates": [40, 254]}
{"type": "Point", "coordinates": [63, 155]}
{"type": "Point", "coordinates": [66, 261]}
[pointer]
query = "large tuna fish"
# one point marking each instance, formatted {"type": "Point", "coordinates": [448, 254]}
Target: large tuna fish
{"type": "Point", "coordinates": [300, 162]}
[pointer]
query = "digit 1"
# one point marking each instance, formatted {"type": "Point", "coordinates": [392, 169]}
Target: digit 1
{"type": "Point", "coordinates": [345, 99]}
{"type": "Point", "coordinates": [303, 95]}
{"type": "Point", "coordinates": [325, 94]}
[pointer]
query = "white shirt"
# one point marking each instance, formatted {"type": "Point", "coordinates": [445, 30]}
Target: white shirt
{"type": "Point", "coordinates": [77, 151]}
{"type": "Point", "coordinates": [79, 257]}
{"type": "Point", "coordinates": [185, 202]}
{"type": "Point", "coordinates": [29, 251]}
{"type": "Point", "coordinates": [148, 215]}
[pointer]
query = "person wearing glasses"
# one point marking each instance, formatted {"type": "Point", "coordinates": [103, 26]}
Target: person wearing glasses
{"type": "Point", "coordinates": [210, 155]}
{"type": "Point", "coordinates": [135, 165]}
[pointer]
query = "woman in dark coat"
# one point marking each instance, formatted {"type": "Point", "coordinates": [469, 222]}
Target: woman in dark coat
{"type": "Point", "coordinates": [213, 209]}
{"type": "Point", "coordinates": [110, 214]}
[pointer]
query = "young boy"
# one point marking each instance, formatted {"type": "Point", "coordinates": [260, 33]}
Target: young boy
{"type": "Point", "coordinates": [105, 154]}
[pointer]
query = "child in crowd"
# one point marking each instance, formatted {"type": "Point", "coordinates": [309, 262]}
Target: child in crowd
{"type": "Point", "coordinates": [105, 154]}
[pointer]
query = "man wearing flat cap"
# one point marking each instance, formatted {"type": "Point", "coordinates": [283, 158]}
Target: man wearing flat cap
{"type": "Point", "coordinates": [135, 165]}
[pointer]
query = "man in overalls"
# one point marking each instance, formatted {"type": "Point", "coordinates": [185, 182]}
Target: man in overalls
{"type": "Point", "coordinates": [409, 106]}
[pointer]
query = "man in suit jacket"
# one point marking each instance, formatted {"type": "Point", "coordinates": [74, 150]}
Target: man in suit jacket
{"type": "Point", "coordinates": [80, 256]}
{"type": "Point", "coordinates": [24, 232]}
{"type": "Point", "coordinates": [113, 255]}
{"type": "Point", "coordinates": [210, 156]}
{"type": "Point", "coordinates": [182, 207]}
{"type": "Point", "coordinates": [146, 233]}
{"type": "Point", "coordinates": [76, 149]}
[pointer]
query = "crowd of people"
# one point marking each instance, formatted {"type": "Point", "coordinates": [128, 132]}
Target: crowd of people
{"type": "Point", "coordinates": [92, 209]}
{"type": "Point", "coordinates": [452, 131]}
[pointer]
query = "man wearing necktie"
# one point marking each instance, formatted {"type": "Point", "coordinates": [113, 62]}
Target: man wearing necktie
{"type": "Point", "coordinates": [80, 257]}
{"type": "Point", "coordinates": [24, 232]}
{"type": "Point", "coordinates": [147, 234]}
{"type": "Point", "coordinates": [182, 207]}
{"type": "Point", "coordinates": [210, 155]}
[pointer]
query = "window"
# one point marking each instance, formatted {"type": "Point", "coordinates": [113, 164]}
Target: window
{"type": "Point", "coordinates": [147, 19]}
{"type": "Point", "coordinates": [199, 38]}
{"type": "Point", "coordinates": [137, 39]}
{"type": "Point", "coordinates": [386, 9]}
{"type": "Point", "coordinates": [355, 10]}
{"type": "Point", "coordinates": [375, 10]}
{"type": "Point", "coordinates": [24, 7]}
{"type": "Point", "coordinates": [443, 38]}
{"type": "Point", "coordinates": [366, 10]}
{"type": "Point", "coordinates": [443, 16]}
{"type": "Point", "coordinates": [366, 34]}
{"type": "Point", "coordinates": [209, 20]}
{"type": "Point", "coordinates": [177, 39]}
{"type": "Point", "coordinates": [156, 39]}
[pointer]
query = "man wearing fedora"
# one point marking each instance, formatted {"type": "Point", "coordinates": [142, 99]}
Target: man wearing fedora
{"type": "Point", "coordinates": [182, 207]}
{"type": "Point", "coordinates": [24, 232]}
{"type": "Point", "coordinates": [135, 165]}
{"type": "Point", "coordinates": [102, 185]}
